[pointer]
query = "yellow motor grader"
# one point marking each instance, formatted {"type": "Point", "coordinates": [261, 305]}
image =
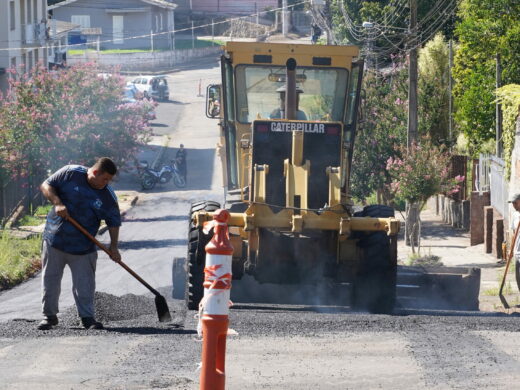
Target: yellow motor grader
{"type": "Point", "coordinates": [288, 117]}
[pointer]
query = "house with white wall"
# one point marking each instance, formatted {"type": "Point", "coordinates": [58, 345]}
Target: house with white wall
{"type": "Point", "coordinates": [120, 24]}
{"type": "Point", "coordinates": [23, 28]}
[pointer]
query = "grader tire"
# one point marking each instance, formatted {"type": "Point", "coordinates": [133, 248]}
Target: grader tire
{"type": "Point", "coordinates": [374, 288]}
{"type": "Point", "coordinates": [196, 258]}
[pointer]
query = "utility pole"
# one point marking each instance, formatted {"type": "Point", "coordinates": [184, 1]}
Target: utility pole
{"type": "Point", "coordinates": [450, 94]}
{"type": "Point", "coordinates": [284, 18]}
{"type": "Point", "coordinates": [192, 35]}
{"type": "Point", "coordinates": [498, 108]}
{"type": "Point", "coordinates": [412, 209]}
{"type": "Point", "coordinates": [412, 76]}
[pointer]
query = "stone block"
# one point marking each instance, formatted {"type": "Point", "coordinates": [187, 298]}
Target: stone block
{"type": "Point", "coordinates": [478, 201]}
{"type": "Point", "coordinates": [498, 235]}
{"type": "Point", "coordinates": [488, 229]}
{"type": "Point", "coordinates": [466, 214]}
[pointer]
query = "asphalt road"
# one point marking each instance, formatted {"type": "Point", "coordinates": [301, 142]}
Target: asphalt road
{"type": "Point", "coordinates": [277, 346]}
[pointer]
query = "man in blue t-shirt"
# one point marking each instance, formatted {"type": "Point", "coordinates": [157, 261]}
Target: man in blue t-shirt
{"type": "Point", "coordinates": [83, 194]}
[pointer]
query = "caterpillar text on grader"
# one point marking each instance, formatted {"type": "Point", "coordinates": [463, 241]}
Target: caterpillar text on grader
{"type": "Point", "coordinates": [288, 124]}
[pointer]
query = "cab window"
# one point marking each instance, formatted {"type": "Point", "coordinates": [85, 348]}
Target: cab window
{"type": "Point", "coordinates": [323, 93]}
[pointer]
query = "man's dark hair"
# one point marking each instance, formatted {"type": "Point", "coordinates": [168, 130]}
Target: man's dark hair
{"type": "Point", "coordinates": [106, 165]}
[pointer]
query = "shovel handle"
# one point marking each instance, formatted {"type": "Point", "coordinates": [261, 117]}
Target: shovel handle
{"type": "Point", "coordinates": [101, 246]}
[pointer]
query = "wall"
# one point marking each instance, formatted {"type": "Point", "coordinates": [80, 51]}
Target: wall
{"type": "Point", "coordinates": [144, 61]}
{"type": "Point", "coordinates": [514, 179]}
{"type": "Point", "coordinates": [478, 202]}
{"type": "Point", "coordinates": [12, 39]}
{"type": "Point", "coordinates": [135, 24]}
{"type": "Point", "coordinates": [232, 6]}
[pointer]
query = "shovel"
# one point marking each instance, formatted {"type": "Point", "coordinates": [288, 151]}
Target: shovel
{"type": "Point", "coordinates": [160, 302]}
{"type": "Point", "coordinates": [511, 252]}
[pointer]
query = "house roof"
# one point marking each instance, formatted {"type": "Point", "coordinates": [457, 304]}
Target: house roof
{"type": "Point", "coordinates": [158, 3]}
{"type": "Point", "coordinates": [61, 27]}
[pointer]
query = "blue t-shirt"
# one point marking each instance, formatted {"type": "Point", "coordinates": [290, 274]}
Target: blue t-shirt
{"type": "Point", "coordinates": [85, 204]}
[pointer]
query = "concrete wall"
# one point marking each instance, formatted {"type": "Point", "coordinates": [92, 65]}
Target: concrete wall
{"type": "Point", "coordinates": [143, 61]}
{"type": "Point", "coordinates": [138, 24]}
{"type": "Point", "coordinates": [232, 6]}
{"type": "Point", "coordinates": [514, 179]}
{"type": "Point", "coordinates": [493, 231]}
{"type": "Point", "coordinates": [478, 202]}
{"type": "Point", "coordinates": [455, 213]}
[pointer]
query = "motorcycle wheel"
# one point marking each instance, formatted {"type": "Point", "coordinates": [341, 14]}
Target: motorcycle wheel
{"type": "Point", "coordinates": [148, 182]}
{"type": "Point", "coordinates": [179, 181]}
{"type": "Point", "coordinates": [165, 178]}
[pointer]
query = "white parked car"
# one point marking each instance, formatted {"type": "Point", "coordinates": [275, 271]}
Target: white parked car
{"type": "Point", "coordinates": [155, 87]}
{"type": "Point", "coordinates": [129, 97]}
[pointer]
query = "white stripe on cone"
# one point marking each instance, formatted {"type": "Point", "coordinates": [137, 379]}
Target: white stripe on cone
{"type": "Point", "coordinates": [216, 300]}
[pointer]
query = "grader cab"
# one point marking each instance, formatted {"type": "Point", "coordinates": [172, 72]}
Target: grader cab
{"type": "Point", "coordinates": [288, 123]}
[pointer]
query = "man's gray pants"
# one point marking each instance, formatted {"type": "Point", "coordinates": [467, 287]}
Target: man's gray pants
{"type": "Point", "coordinates": [83, 270]}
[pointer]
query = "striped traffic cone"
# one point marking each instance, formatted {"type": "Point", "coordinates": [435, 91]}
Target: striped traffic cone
{"type": "Point", "coordinates": [215, 304]}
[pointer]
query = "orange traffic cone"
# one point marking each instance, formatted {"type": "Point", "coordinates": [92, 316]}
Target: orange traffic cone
{"type": "Point", "coordinates": [215, 304]}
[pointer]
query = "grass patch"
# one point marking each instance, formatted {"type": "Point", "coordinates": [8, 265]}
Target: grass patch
{"type": "Point", "coordinates": [37, 218]}
{"type": "Point", "coordinates": [425, 260]}
{"type": "Point", "coordinates": [19, 259]}
{"type": "Point", "coordinates": [493, 292]}
{"type": "Point", "coordinates": [75, 52]}
{"type": "Point", "coordinates": [180, 44]}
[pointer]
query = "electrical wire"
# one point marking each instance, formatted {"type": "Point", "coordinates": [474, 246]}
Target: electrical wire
{"type": "Point", "coordinates": [148, 35]}
{"type": "Point", "coordinates": [428, 26]}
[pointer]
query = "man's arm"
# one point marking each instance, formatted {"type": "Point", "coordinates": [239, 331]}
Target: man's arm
{"type": "Point", "coordinates": [50, 193]}
{"type": "Point", "coordinates": [114, 238]}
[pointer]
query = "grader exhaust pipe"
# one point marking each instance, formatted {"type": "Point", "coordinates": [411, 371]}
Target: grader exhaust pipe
{"type": "Point", "coordinates": [290, 89]}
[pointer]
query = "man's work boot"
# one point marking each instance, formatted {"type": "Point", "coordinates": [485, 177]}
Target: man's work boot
{"type": "Point", "coordinates": [91, 323]}
{"type": "Point", "coordinates": [48, 322]}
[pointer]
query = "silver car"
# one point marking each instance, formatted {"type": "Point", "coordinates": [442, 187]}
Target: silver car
{"type": "Point", "coordinates": [155, 87]}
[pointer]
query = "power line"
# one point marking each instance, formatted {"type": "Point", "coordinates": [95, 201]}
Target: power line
{"type": "Point", "coordinates": [148, 35]}
{"type": "Point", "coordinates": [432, 22]}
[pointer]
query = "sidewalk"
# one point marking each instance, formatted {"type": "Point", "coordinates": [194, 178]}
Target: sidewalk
{"type": "Point", "coordinates": [453, 247]}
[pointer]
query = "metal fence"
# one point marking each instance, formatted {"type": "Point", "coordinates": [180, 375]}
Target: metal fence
{"type": "Point", "coordinates": [15, 193]}
{"type": "Point", "coordinates": [498, 186]}
{"type": "Point", "coordinates": [482, 173]}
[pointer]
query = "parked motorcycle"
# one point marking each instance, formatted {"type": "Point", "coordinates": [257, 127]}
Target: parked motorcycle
{"type": "Point", "coordinates": [150, 177]}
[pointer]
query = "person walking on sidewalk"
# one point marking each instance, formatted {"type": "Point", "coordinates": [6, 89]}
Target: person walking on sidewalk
{"type": "Point", "coordinates": [180, 157]}
{"type": "Point", "coordinates": [84, 194]}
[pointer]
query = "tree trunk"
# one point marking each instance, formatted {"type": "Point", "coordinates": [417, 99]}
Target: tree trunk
{"type": "Point", "coordinates": [411, 227]}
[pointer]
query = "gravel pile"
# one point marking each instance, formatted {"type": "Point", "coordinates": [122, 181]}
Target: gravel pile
{"type": "Point", "coordinates": [125, 314]}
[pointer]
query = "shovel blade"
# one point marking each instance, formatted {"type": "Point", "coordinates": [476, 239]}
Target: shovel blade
{"type": "Point", "coordinates": [162, 309]}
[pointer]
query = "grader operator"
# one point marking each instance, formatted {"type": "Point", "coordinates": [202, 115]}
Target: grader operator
{"type": "Point", "coordinates": [287, 176]}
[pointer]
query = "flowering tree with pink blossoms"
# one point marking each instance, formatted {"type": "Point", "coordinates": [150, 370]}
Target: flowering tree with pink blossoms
{"type": "Point", "coordinates": [383, 128]}
{"type": "Point", "coordinates": [48, 119]}
{"type": "Point", "coordinates": [421, 172]}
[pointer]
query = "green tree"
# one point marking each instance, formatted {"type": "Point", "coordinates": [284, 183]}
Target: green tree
{"type": "Point", "coordinates": [486, 28]}
{"type": "Point", "coordinates": [433, 90]}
